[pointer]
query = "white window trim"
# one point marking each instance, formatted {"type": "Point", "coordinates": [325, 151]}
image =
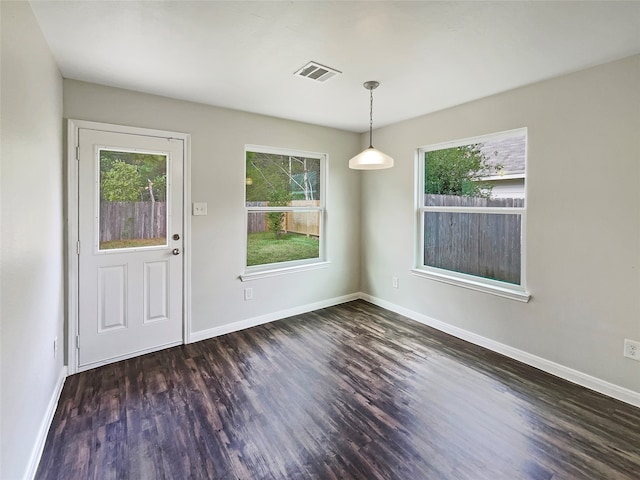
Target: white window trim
{"type": "Point", "coordinates": [479, 284]}
{"type": "Point", "coordinates": [473, 282]}
{"type": "Point", "coordinates": [283, 268]}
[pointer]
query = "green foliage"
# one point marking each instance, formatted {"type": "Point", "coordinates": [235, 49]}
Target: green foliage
{"type": "Point", "coordinates": [457, 171]}
{"type": "Point", "coordinates": [122, 173]}
{"type": "Point", "coordinates": [159, 187]}
{"type": "Point", "coordinates": [273, 177]}
{"type": "Point", "coordinates": [267, 178]}
{"type": "Point", "coordinates": [121, 183]}
{"type": "Point", "coordinates": [275, 220]}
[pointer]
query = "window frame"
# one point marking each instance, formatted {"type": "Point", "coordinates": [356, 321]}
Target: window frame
{"type": "Point", "coordinates": [486, 285]}
{"type": "Point", "coordinates": [282, 268]}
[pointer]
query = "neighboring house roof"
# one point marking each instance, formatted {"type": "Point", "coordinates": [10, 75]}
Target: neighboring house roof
{"type": "Point", "coordinates": [507, 155]}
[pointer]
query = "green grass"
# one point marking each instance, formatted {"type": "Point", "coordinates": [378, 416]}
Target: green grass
{"type": "Point", "coordinates": [263, 248]}
{"type": "Point", "coordinates": [132, 243]}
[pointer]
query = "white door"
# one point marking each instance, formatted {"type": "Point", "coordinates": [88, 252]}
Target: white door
{"type": "Point", "coordinates": [130, 228]}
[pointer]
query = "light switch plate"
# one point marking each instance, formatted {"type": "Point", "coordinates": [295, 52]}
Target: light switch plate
{"type": "Point", "coordinates": [199, 208]}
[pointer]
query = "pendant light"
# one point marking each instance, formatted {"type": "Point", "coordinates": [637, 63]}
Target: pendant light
{"type": "Point", "coordinates": [371, 158]}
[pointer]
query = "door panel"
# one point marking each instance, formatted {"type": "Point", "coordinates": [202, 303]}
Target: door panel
{"type": "Point", "coordinates": [112, 294]}
{"type": "Point", "coordinates": [156, 301]}
{"type": "Point", "coordinates": [130, 267]}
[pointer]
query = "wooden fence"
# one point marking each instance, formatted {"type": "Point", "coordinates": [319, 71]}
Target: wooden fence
{"type": "Point", "coordinates": [303, 223]}
{"type": "Point", "coordinates": [482, 244]}
{"type": "Point", "coordinates": [257, 221]}
{"type": "Point", "coordinates": [460, 201]}
{"type": "Point", "coordinates": [132, 220]}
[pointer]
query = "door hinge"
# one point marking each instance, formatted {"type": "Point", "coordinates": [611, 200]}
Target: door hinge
{"type": "Point", "coordinates": [78, 342]}
{"type": "Point", "coordinates": [78, 152]}
{"type": "Point", "coordinates": [78, 247]}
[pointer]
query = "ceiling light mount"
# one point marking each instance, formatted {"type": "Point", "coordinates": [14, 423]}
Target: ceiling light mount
{"type": "Point", "coordinates": [371, 85]}
{"type": "Point", "coordinates": [371, 158]}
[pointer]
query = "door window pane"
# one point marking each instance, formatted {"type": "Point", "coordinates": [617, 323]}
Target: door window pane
{"type": "Point", "coordinates": [133, 199]}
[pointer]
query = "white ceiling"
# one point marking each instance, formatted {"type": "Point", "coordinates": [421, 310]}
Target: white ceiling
{"type": "Point", "coordinates": [242, 54]}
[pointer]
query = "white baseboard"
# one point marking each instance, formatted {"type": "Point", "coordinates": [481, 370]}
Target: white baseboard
{"type": "Point", "coordinates": [38, 447]}
{"type": "Point", "coordinates": [574, 376]}
{"type": "Point", "coordinates": [270, 317]}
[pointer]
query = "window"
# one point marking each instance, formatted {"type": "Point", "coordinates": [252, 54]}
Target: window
{"type": "Point", "coordinates": [132, 195]}
{"type": "Point", "coordinates": [285, 211]}
{"type": "Point", "coordinates": [471, 213]}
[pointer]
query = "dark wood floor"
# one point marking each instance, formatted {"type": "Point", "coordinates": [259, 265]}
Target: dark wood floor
{"type": "Point", "coordinates": [347, 392]}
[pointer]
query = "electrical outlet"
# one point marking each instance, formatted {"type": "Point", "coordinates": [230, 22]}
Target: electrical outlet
{"type": "Point", "coordinates": [394, 282]}
{"type": "Point", "coordinates": [632, 349]}
{"type": "Point", "coordinates": [248, 294]}
{"type": "Point", "coordinates": [199, 208]}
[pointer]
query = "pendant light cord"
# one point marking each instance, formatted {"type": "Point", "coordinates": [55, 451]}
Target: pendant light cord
{"type": "Point", "coordinates": [371, 118]}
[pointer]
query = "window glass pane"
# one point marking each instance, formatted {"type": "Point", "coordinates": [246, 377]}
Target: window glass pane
{"type": "Point", "coordinates": [480, 244]}
{"type": "Point", "coordinates": [490, 173]}
{"type": "Point", "coordinates": [275, 237]}
{"type": "Point", "coordinates": [278, 180]}
{"type": "Point", "coordinates": [133, 196]}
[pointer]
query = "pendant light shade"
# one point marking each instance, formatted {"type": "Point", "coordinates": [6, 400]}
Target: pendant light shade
{"type": "Point", "coordinates": [371, 158]}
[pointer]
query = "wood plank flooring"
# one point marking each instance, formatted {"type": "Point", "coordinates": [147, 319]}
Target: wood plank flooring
{"type": "Point", "coordinates": [347, 392]}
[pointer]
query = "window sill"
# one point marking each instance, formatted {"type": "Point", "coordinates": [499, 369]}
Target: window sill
{"type": "Point", "coordinates": [274, 272]}
{"type": "Point", "coordinates": [501, 290]}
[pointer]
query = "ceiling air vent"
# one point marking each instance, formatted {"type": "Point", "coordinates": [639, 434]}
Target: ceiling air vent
{"type": "Point", "coordinates": [317, 72]}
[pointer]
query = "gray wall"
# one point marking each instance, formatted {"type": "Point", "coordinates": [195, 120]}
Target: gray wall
{"type": "Point", "coordinates": [583, 227]}
{"type": "Point", "coordinates": [32, 291]}
{"type": "Point", "coordinates": [218, 137]}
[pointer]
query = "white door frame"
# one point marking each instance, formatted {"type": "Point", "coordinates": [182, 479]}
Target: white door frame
{"type": "Point", "coordinates": [72, 278]}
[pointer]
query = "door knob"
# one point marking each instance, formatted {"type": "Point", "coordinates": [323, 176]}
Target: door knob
{"type": "Point", "coordinates": [176, 251]}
